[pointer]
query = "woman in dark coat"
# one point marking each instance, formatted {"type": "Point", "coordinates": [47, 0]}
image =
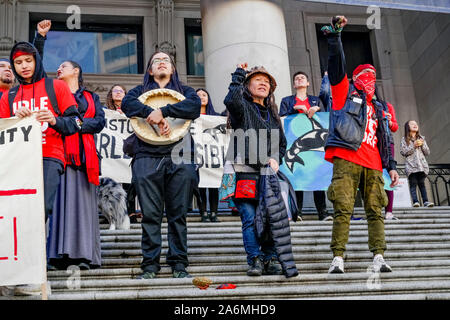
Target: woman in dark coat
{"type": "Point", "coordinates": [252, 108]}
{"type": "Point", "coordinates": [74, 237]}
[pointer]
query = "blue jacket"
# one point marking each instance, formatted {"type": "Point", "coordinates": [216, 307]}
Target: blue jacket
{"type": "Point", "coordinates": [287, 105]}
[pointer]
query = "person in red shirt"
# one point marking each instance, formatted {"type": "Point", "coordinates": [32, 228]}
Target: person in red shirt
{"type": "Point", "coordinates": [358, 146]}
{"type": "Point", "coordinates": [31, 97]}
{"type": "Point", "coordinates": [6, 76]}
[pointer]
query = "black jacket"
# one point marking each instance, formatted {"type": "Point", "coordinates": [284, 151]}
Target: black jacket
{"type": "Point", "coordinates": [246, 114]}
{"type": "Point", "coordinates": [186, 109]}
{"type": "Point", "coordinates": [287, 104]}
{"type": "Point", "coordinates": [271, 221]}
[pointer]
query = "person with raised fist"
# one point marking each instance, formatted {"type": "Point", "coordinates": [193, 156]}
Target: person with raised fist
{"type": "Point", "coordinates": [358, 146]}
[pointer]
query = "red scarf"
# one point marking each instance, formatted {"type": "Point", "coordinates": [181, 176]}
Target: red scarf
{"type": "Point", "coordinates": [366, 82]}
{"type": "Point", "coordinates": [72, 146]}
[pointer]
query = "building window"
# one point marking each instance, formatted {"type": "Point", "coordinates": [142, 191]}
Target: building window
{"type": "Point", "coordinates": [194, 47]}
{"type": "Point", "coordinates": [98, 48]}
{"type": "Point", "coordinates": [356, 43]}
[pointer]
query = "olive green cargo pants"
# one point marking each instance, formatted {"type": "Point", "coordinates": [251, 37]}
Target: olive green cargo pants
{"type": "Point", "coordinates": [347, 177]}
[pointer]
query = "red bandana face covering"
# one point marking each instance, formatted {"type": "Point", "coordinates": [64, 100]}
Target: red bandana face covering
{"type": "Point", "coordinates": [366, 82]}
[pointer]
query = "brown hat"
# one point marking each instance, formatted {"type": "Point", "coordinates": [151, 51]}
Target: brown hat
{"type": "Point", "coordinates": [261, 69]}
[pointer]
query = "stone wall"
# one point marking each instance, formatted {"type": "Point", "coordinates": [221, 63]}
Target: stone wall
{"type": "Point", "coordinates": [428, 46]}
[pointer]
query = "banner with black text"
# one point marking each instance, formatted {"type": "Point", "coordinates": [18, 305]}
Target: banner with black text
{"type": "Point", "coordinates": [22, 217]}
{"type": "Point", "coordinates": [109, 142]}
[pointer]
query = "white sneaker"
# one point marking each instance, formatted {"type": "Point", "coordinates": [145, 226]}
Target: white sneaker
{"type": "Point", "coordinates": [337, 265]}
{"type": "Point", "coordinates": [390, 216]}
{"type": "Point", "coordinates": [31, 290]}
{"type": "Point", "coordinates": [379, 265]}
{"type": "Point", "coordinates": [7, 291]}
{"type": "Point", "coordinates": [416, 205]}
{"type": "Point", "coordinates": [428, 204]}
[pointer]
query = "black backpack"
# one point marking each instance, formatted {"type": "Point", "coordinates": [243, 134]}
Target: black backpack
{"type": "Point", "coordinates": [50, 93]}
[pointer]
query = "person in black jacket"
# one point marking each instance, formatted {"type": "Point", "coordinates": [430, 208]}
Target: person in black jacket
{"type": "Point", "coordinates": [358, 146]}
{"type": "Point", "coordinates": [160, 182]}
{"type": "Point", "coordinates": [301, 102]}
{"type": "Point", "coordinates": [251, 107]}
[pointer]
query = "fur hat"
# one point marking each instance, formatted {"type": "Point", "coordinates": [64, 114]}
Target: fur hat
{"type": "Point", "coordinates": [260, 69]}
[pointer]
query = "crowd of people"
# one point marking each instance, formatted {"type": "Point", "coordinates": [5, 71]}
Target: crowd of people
{"type": "Point", "coordinates": [360, 145]}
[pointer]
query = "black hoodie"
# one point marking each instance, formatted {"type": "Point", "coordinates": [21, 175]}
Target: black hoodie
{"type": "Point", "coordinates": [186, 109]}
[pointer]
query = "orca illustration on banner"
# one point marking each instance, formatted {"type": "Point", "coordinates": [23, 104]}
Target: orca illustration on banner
{"type": "Point", "coordinates": [313, 140]}
{"type": "Point", "coordinates": [221, 128]}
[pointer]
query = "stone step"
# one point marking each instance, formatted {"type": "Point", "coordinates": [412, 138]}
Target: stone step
{"type": "Point", "coordinates": [294, 226]}
{"type": "Point", "coordinates": [287, 290]}
{"type": "Point", "coordinates": [215, 251]}
{"type": "Point", "coordinates": [246, 281]}
{"type": "Point", "coordinates": [294, 235]}
{"type": "Point", "coordinates": [304, 257]}
{"type": "Point", "coordinates": [126, 243]}
{"type": "Point", "coordinates": [241, 269]}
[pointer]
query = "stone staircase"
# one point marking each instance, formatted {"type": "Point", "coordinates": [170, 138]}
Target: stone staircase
{"type": "Point", "coordinates": [418, 251]}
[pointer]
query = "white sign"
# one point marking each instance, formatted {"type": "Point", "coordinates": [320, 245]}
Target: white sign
{"type": "Point", "coordinates": [402, 197]}
{"type": "Point", "coordinates": [211, 143]}
{"type": "Point", "coordinates": [115, 164]}
{"type": "Point", "coordinates": [22, 217]}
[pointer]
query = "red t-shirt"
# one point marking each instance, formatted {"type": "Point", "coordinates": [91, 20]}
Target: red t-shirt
{"type": "Point", "coordinates": [367, 155]}
{"type": "Point", "coordinates": [3, 91]}
{"type": "Point", "coordinates": [34, 97]}
{"type": "Point", "coordinates": [299, 102]}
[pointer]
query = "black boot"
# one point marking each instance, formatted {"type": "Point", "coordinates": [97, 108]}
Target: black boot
{"type": "Point", "coordinates": [205, 217]}
{"type": "Point", "coordinates": [272, 267]}
{"type": "Point", "coordinates": [256, 268]}
{"type": "Point", "coordinates": [213, 217]}
{"type": "Point", "coordinates": [325, 216]}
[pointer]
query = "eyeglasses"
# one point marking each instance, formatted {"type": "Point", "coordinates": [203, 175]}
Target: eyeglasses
{"type": "Point", "coordinates": [118, 91]}
{"type": "Point", "coordinates": [159, 60]}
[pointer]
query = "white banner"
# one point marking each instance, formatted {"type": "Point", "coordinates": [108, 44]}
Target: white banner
{"type": "Point", "coordinates": [402, 196]}
{"type": "Point", "coordinates": [115, 164]}
{"type": "Point", "coordinates": [22, 217]}
{"type": "Point", "coordinates": [211, 143]}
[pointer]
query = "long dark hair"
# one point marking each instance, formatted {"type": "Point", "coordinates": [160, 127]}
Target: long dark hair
{"type": "Point", "coordinates": [149, 81]}
{"type": "Point", "coordinates": [80, 74]}
{"type": "Point", "coordinates": [408, 132]}
{"type": "Point", "coordinates": [269, 102]}
{"type": "Point", "coordinates": [209, 106]}
{"type": "Point", "coordinates": [109, 100]}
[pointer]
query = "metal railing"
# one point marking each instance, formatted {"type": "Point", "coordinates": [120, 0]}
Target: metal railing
{"type": "Point", "coordinates": [439, 180]}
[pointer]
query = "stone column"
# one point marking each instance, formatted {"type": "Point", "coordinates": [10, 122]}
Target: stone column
{"type": "Point", "coordinates": [236, 31]}
{"type": "Point", "coordinates": [7, 26]}
{"type": "Point", "coordinates": [165, 26]}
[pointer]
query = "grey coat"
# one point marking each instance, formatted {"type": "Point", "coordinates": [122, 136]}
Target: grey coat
{"type": "Point", "coordinates": [415, 157]}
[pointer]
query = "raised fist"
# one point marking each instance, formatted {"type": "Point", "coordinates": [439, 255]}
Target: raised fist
{"type": "Point", "coordinates": [243, 66]}
{"type": "Point", "coordinates": [43, 27]}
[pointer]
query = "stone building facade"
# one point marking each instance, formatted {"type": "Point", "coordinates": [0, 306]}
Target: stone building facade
{"type": "Point", "coordinates": [410, 49]}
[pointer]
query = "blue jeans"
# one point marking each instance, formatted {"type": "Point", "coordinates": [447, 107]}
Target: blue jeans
{"type": "Point", "coordinates": [264, 249]}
